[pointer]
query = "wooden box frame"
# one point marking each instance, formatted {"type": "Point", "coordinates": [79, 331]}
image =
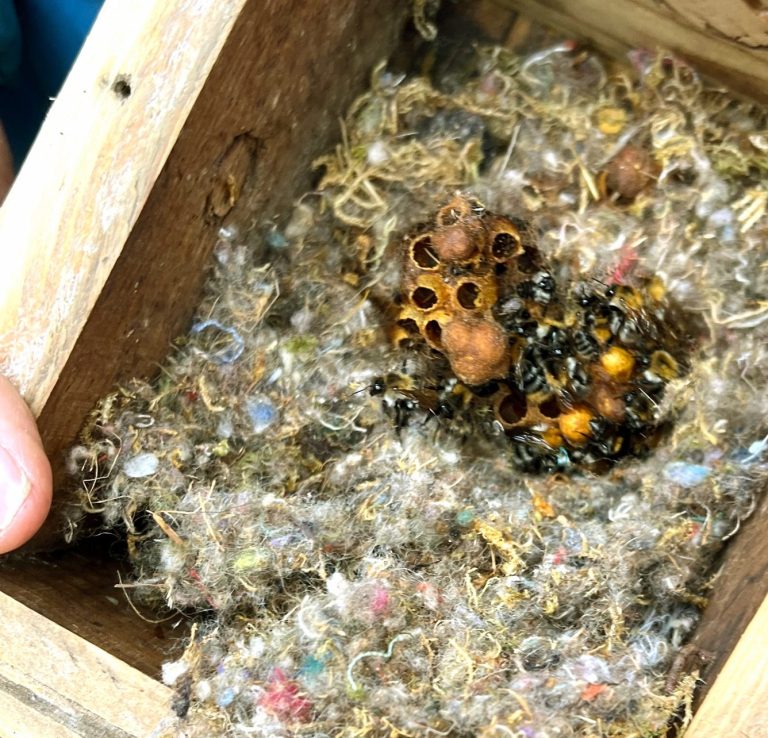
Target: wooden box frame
{"type": "Point", "coordinates": [180, 118]}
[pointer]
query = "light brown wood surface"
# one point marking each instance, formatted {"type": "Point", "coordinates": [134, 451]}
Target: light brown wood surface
{"type": "Point", "coordinates": [287, 71]}
{"type": "Point", "coordinates": [617, 25]}
{"type": "Point", "coordinates": [737, 704]}
{"type": "Point", "coordinates": [54, 684]}
{"type": "Point", "coordinates": [76, 589]}
{"type": "Point", "coordinates": [90, 171]}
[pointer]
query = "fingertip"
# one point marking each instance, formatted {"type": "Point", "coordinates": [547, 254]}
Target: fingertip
{"type": "Point", "coordinates": [26, 516]}
{"type": "Point", "coordinates": [25, 473]}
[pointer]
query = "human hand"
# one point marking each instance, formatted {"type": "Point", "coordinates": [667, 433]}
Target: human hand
{"type": "Point", "coordinates": [25, 474]}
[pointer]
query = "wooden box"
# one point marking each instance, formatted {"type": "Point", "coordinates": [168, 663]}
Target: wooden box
{"type": "Point", "coordinates": [179, 119]}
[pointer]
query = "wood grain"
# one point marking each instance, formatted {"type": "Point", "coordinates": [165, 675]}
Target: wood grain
{"type": "Point", "coordinates": [740, 591]}
{"type": "Point", "coordinates": [737, 704]}
{"type": "Point", "coordinates": [271, 104]}
{"type": "Point", "coordinates": [54, 684]}
{"type": "Point", "coordinates": [739, 20]}
{"type": "Point", "coordinates": [286, 73]}
{"type": "Point", "coordinates": [76, 590]}
{"type": "Point", "coordinates": [619, 25]}
{"type": "Point", "coordinates": [90, 171]}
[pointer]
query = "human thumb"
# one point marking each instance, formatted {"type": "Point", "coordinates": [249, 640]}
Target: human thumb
{"type": "Point", "coordinates": [25, 473]}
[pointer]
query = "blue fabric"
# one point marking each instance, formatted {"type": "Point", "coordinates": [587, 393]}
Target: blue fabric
{"type": "Point", "coordinates": [52, 32]}
{"type": "Point", "coordinates": [10, 42]}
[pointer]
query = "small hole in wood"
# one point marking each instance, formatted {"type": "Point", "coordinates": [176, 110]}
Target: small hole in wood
{"type": "Point", "coordinates": [122, 87]}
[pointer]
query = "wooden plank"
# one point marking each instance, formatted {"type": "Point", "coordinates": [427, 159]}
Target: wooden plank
{"type": "Point", "coordinates": [737, 704]}
{"type": "Point", "coordinates": [744, 21]}
{"type": "Point", "coordinates": [90, 171]}
{"type": "Point", "coordinates": [54, 684]}
{"type": "Point", "coordinates": [76, 590]}
{"type": "Point", "coordinates": [271, 104]}
{"type": "Point", "coordinates": [618, 25]}
{"type": "Point", "coordinates": [739, 592]}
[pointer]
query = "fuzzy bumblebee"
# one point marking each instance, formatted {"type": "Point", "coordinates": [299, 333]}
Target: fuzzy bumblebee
{"type": "Point", "coordinates": [573, 374]}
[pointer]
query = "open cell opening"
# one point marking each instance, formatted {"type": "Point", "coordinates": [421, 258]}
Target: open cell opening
{"type": "Point", "coordinates": [513, 407]}
{"type": "Point", "coordinates": [504, 245]}
{"type": "Point", "coordinates": [424, 298]}
{"type": "Point", "coordinates": [549, 408]}
{"type": "Point", "coordinates": [467, 294]}
{"type": "Point", "coordinates": [527, 262]}
{"type": "Point", "coordinates": [433, 332]}
{"type": "Point", "coordinates": [409, 325]}
{"type": "Point", "coordinates": [423, 254]}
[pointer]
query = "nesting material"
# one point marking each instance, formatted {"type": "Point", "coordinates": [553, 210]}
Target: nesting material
{"type": "Point", "coordinates": [360, 551]}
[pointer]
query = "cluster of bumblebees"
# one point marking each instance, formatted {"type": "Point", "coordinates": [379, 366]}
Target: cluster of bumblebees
{"type": "Point", "coordinates": [570, 376]}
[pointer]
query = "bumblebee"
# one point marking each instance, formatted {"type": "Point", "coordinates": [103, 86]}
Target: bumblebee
{"type": "Point", "coordinates": [531, 375]}
{"type": "Point", "coordinates": [584, 345]}
{"type": "Point", "coordinates": [540, 288]}
{"type": "Point", "coordinates": [531, 453]}
{"type": "Point", "coordinates": [403, 396]}
{"type": "Point", "coordinates": [577, 379]}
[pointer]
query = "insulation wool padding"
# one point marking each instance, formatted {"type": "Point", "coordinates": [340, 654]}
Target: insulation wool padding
{"type": "Point", "coordinates": [358, 562]}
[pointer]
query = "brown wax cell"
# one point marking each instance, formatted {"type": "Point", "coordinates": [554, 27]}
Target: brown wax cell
{"type": "Point", "coordinates": [454, 243]}
{"type": "Point", "coordinates": [477, 349]}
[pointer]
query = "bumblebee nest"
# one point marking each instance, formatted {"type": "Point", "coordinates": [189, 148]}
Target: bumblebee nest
{"type": "Point", "coordinates": [362, 555]}
{"type": "Point", "coordinates": [571, 376]}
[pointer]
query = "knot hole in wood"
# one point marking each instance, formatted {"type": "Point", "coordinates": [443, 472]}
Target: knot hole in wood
{"type": "Point", "coordinates": [233, 171]}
